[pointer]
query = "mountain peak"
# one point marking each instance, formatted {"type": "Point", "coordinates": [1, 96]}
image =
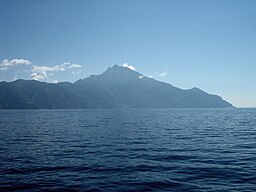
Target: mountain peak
{"type": "Point", "coordinates": [117, 87]}
{"type": "Point", "coordinates": [124, 66]}
{"type": "Point", "coordinates": [123, 70]}
{"type": "Point", "coordinates": [114, 67]}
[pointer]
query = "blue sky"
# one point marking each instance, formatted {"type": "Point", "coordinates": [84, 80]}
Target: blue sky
{"type": "Point", "coordinates": [209, 44]}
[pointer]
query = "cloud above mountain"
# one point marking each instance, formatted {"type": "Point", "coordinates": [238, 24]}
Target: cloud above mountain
{"type": "Point", "coordinates": [162, 74]}
{"type": "Point", "coordinates": [41, 72]}
{"type": "Point", "coordinates": [74, 66]}
{"type": "Point", "coordinates": [35, 71]}
{"type": "Point", "coordinates": [6, 63]}
{"type": "Point", "coordinates": [126, 65]}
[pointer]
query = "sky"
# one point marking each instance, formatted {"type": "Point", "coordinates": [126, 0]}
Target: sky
{"type": "Point", "coordinates": [209, 44]}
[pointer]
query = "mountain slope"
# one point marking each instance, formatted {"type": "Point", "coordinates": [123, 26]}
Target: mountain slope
{"type": "Point", "coordinates": [30, 94]}
{"type": "Point", "coordinates": [117, 87]}
{"type": "Point", "coordinates": [132, 89]}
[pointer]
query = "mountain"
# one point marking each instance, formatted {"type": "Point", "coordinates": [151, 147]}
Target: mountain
{"type": "Point", "coordinates": [31, 94]}
{"type": "Point", "coordinates": [117, 87]}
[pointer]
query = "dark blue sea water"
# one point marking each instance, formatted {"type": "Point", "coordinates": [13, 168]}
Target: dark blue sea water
{"type": "Point", "coordinates": [128, 150]}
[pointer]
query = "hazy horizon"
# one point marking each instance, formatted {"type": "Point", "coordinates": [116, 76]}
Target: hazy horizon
{"type": "Point", "coordinates": [206, 44]}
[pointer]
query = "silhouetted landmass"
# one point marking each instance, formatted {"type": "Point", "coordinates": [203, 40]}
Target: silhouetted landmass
{"type": "Point", "coordinates": [117, 87]}
{"type": "Point", "coordinates": [31, 94]}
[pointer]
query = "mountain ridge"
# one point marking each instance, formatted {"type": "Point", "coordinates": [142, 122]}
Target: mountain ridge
{"type": "Point", "coordinates": [117, 87]}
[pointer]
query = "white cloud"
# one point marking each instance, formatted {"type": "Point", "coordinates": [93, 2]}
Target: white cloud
{"type": "Point", "coordinates": [162, 74]}
{"type": "Point", "coordinates": [74, 66]}
{"type": "Point", "coordinates": [70, 65]}
{"type": "Point", "coordinates": [36, 76]}
{"type": "Point", "coordinates": [129, 66]}
{"type": "Point", "coordinates": [65, 64]}
{"type": "Point", "coordinates": [55, 81]}
{"type": "Point", "coordinates": [41, 72]}
{"type": "Point", "coordinates": [6, 63]}
{"type": "Point", "coordinates": [47, 68]}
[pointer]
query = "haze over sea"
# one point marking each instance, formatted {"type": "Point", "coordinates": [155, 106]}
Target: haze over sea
{"type": "Point", "coordinates": [128, 150]}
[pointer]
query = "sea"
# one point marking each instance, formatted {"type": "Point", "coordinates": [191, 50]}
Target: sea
{"type": "Point", "coordinates": [128, 150]}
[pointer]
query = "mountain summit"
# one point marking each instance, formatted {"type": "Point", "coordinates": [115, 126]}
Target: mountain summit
{"type": "Point", "coordinates": [117, 87]}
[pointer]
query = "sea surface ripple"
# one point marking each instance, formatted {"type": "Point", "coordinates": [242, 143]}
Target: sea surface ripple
{"type": "Point", "coordinates": [128, 150]}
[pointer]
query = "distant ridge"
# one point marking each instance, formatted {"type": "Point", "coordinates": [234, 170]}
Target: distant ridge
{"type": "Point", "coordinates": [117, 87]}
